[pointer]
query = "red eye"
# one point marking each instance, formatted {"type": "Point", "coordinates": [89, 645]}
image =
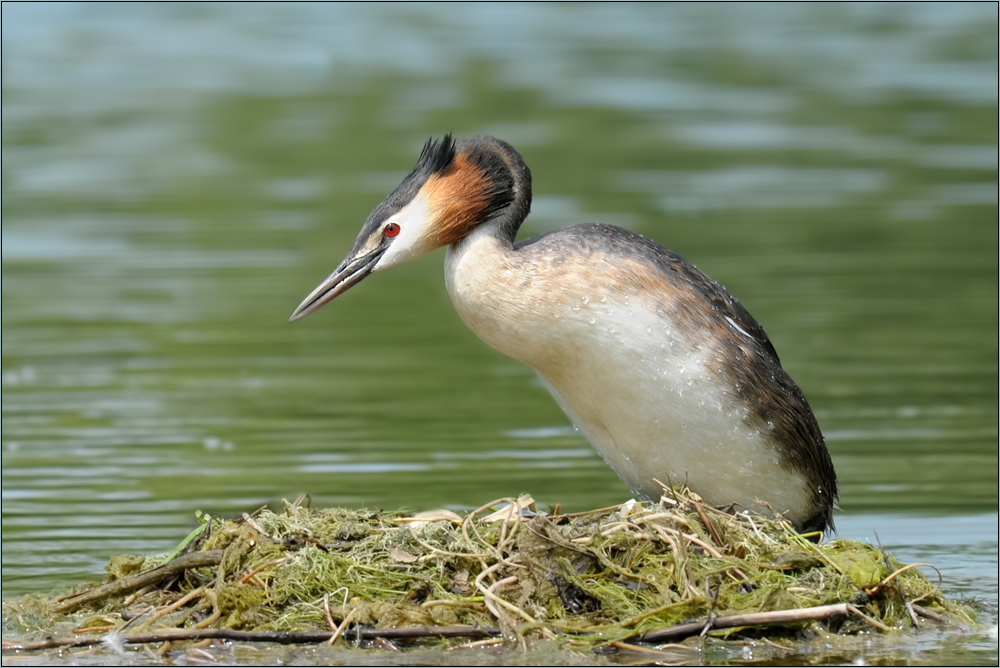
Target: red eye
{"type": "Point", "coordinates": [390, 230]}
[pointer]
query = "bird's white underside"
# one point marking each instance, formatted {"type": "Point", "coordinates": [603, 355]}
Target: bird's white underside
{"type": "Point", "coordinates": [653, 403]}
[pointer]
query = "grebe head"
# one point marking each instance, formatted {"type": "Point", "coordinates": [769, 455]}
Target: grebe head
{"type": "Point", "coordinates": [454, 188]}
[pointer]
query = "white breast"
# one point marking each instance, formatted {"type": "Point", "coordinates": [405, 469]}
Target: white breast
{"type": "Point", "coordinates": [651, 399]}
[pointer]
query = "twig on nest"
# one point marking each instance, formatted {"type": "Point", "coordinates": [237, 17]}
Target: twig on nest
{"type": "Point", "coordinates": [133, 582]}
{"type": "Point", "coordinates": [752, 619]}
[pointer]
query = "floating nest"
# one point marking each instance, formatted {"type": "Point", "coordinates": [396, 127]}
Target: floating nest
{"type": "Point", "coordinates": [619, 577]}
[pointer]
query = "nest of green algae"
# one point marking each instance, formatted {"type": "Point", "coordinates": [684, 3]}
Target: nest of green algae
{"type": "Point", "coordinates": [636, 571]}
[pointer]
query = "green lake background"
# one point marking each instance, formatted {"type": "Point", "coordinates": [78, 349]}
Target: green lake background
{"type": "Point", "coordinates": [176, 178]}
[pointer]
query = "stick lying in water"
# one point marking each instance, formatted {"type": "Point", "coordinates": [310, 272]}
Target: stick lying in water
{"type": "Point", "coordinates": [280, 637]}
{"type": "Point", "coordinates": [309, 637]}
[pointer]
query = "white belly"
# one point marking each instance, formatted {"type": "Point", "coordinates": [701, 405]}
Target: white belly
{"type": "Point", "coordinates": [653, 400]}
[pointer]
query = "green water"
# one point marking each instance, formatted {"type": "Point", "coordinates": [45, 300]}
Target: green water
{"type": "Point", "coordinates": [176, 178]}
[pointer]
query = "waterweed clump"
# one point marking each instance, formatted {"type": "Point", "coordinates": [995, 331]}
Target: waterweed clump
{"type": "Point", "coordinates": [626, 572]}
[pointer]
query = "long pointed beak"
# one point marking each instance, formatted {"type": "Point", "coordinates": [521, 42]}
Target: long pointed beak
{"type": "Point", "coordinates": [350, 272]}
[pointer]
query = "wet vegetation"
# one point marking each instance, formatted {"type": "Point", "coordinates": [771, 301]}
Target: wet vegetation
{"type": "Point", "coordinates": [506, 573]}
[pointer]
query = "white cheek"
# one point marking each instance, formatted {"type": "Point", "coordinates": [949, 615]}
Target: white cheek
{"type": "Point", "coordinates": [413, 240]}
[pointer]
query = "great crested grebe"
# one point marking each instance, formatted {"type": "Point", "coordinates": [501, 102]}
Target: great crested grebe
{"type": "Point", "coordinates": [660, 368]}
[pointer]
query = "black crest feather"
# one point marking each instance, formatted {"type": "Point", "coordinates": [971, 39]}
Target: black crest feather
{"type": "Point", "coordinates": [436, 156]}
